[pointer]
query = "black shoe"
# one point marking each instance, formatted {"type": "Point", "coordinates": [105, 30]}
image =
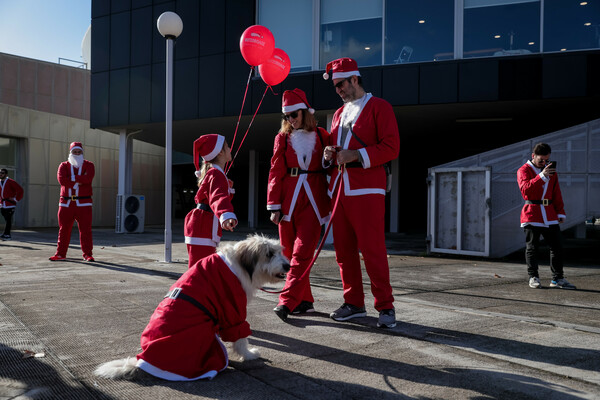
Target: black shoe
{"type": "Point", "coordinates": [5, 237]}
{"type": "Point", "coordinates": [304, 307]}
{"type": "Point", "coordinates": [282, 312]}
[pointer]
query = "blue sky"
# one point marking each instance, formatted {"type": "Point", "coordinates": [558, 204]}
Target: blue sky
{"type": "Point", "coordinates": [44, 29]}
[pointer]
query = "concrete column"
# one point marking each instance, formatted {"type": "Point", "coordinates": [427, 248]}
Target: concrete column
{"type": "Point", "coordinates": [395, 196]}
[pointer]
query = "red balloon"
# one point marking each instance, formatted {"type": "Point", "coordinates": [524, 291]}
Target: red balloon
{"type": "Point", "coordinates": [276, 68]}
{"type": "Point", "coordinates": [257, 44]}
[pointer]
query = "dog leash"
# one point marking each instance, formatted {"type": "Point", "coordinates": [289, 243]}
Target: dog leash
{"type": "Point", "coordinates": [341, 169]}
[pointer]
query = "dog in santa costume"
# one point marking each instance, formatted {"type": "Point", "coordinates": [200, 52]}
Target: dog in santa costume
{"type": "Point", "coordinates": [207, 305]}
{"type": "Point", "coordinates": [214, 211]}
{"type": "Point", "coordinates": [297, 196]}
{"type": "Point", "coordinates": [75, 177]}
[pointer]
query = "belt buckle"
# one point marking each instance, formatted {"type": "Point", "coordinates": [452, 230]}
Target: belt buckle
{"type": "Point", "coordinates": [341, 167]}
{"type": "Point", "coordinates": [73, 197]}
{"type": "Point", "coordinates": [545, 202]}
{"type": "Point", "coordinates": [294, 172]}
{"type": "Point", "coordinates": [173, 293]}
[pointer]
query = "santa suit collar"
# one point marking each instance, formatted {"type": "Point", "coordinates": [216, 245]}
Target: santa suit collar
{"type": "Point", "coordinates": [344, 118]}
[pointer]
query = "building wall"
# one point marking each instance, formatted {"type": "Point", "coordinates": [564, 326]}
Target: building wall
{"type": "Point", "coordinates": [44, 107]}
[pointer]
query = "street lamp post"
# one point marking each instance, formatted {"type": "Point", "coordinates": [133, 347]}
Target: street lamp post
{"type": "Point", "coordinates": [170, 26]}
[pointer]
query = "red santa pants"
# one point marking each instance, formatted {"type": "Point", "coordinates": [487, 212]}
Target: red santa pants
{"type": "Point", "coordinates": [299, 238]}
{"type": "Point", "coordinates": [197, 252]}
{"type": "Point", "coordinates": [358, 223]}
{"type": "Point", "coordinates": [66, 217]}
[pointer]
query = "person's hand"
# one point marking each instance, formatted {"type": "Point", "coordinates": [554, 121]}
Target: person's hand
{"type": "Point", "coordinates": [229, 224]}
{"type": "Point", "coordinates": [346, 156]}
{"type": "Point", "coordinates": [561, 220]}
{"type": "Point", "coordinates": [275, 217]}
{"type": "Point", "coordinates": [329, 152]}
{"type": "Point", "coordinates": [549, 170]}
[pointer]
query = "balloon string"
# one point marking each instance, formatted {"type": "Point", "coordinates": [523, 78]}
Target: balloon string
{"type": "Point", "coordinates": [246, 134]}
{"type": "Point", "coordinates": [241, 110]}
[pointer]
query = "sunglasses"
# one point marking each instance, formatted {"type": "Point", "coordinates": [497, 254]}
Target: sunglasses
{"type": "Point", "coordinates": [341, 83]}
{"type": "Point", "coordinates": [293, 115]}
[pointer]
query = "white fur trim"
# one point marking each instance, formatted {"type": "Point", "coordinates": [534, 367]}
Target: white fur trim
{"type": "Point", "coordinates": [365, 158]}
{"type": "Point", "coordinates": [339, 75]}
{"type": "Point", "coordinates": [294, 107]}
{"type": "Point", "coordinates": [218, 147]}
{"type": "Point", "coordinates": [225, 216]}
{"type": "Point", "coordinates": [303, 143]}
{"type": "Point", "coordinates": [200, 241]}
{"type": "Point", "coordinates": [325, 76]}
{"type": "Point", "coordinates": [273, 207]}
{"type": "Point", "coordinates": [198, 173]}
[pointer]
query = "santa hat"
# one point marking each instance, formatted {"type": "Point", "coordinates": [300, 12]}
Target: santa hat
{"type": "Point", "coordinates": [295, 100]}
{"type": "Point", "coordinates": [342, 68]}
{"type": "Point", "coordinates": [207, 147]}
{"type": "Point", "coordinates": [75, 145]}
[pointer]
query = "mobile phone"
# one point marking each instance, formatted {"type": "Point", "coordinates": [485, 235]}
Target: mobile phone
{"type": "Point", "coordinates": [553, 164]}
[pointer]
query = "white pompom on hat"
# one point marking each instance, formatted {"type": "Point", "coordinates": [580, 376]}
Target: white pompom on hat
{"type": "Point", "coordinates": [342, 68]}
{"type": "Point", "coordinates": [293, 100]}
{"type": "Point", "coordinates": [208, 147]}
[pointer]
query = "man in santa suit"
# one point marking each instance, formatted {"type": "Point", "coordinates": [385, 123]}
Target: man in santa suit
{"type": "Point", "coordinates": [364, 137]}
{"type": "Point", "coordinates": [541, 215]}
{"type": "Point", "coordinates": [297, 196]}
{"type": "Point", "coordinates": [75, 177]}
{"type": "Point", "coordinates": [10, 193]}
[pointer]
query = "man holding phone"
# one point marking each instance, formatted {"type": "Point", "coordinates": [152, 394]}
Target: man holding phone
{"type": "Point", "coordinates": [541, 215]}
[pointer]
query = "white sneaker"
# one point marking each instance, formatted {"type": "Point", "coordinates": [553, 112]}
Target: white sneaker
{"type": "Point", "coordinates": [535, 283]}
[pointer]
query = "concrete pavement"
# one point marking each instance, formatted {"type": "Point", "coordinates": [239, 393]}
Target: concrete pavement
{"type": "Point", "coordinates": [468, 328]}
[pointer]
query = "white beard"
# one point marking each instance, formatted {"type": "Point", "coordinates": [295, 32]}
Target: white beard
{"type": "Point", "coordinates": [303, 142]}
{"type": "Point", "coordinates": [76, 161]}
{"type": "Point", "coordinates": [350, 112]}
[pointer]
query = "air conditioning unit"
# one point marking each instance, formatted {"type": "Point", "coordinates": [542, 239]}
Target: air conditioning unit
{"type": "Point", "coordinates": [130, 213]}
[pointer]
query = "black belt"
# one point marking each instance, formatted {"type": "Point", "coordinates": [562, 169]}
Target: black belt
{"type": "Point", "coordinates": [297, 171]}
{"type": "Point", "coordinates": [545, 202]}
{"type": "Point", "coordinates": [203, 207]}
{"type": "Point", "coordinates": [8, 200]}
{"type": "Point", "coordinates": [75, 197]}
{"type": "Point", "coordinates": [354, 164]}
{"type": "Point", "coordinates": [176, 294]}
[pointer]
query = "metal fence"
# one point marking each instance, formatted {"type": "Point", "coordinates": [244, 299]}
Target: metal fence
{"type": "Point", "coordinates": [462, 209]}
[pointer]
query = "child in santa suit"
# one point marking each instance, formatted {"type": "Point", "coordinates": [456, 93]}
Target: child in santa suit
{"type": "Point", "coordinates": [297, 196]}
{"type": "Point", "coordinates": [214, 212]}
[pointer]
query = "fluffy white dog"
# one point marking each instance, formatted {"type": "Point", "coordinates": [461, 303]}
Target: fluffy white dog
{"type": "Point", "coordinates": [206, 305]}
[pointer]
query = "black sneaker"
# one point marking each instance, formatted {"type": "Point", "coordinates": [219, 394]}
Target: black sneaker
{"type": "Point", "coordinates": [282, 312]}
{"type": "Point", "coordinates": [304, 307]}
{"type": "Point", "coordinates": [5, 237]}
{"type": "Point", "coordinates": [387, 318]}
{"type": "Point", "coordinates": [348, 311]}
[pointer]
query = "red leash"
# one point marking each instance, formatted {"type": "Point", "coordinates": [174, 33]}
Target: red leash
{"type": "Point", "coordinates": [312, 262]}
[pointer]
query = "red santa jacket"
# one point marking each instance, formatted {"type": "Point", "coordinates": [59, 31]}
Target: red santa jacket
{"type": "Point", "coordinates": [285, 185]}
{"type": "Point", "coordinates": [10, 193]}
{"type": "Point", "coordinates": [376, 126]}
{"type": "Point", "coordinates": [76, 183]}
{"type": "Point", "coordinates": [203, 227]}
{"type": "Point", "coordinates": [181, 341]}
{"type": "Point", "coordinates": [534, 187]}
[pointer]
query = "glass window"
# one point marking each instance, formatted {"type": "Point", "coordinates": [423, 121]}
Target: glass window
{"type": "Point", "coordinates": [295, 38]}
{"type": "Point", "coordinates": [351, 28]}
{"type": "Point", "coordinates": [501, 27]}
{"type": "Point", "coordinates": [571, 25]}
{"type": "Point", "coordinates": [419, 30]}
{"type": "Point", "coordinates": [8, 155]}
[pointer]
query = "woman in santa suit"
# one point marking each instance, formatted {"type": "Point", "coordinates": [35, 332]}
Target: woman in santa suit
{"type": "Point", "coordinates": [297, 196]}
{"type": "Point", "coordinates": [214, 212]}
